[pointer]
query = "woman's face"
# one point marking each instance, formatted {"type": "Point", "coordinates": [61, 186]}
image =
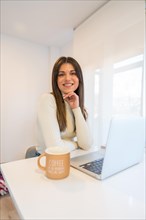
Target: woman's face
{"type": "Point", "coordinates": [67, 78]}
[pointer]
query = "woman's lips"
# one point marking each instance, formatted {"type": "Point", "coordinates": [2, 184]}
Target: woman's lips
{"type": "Point", "coordinates": [67, 84]}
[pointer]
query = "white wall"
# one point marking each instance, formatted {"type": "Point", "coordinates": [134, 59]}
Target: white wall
{"type": "Point", "coordinates": [26, 70]}
{"type": "Point", "coordinates": [55, 53]}
{"type": "Point", "coordinates": [67, 50]}
{"type": "Point", "coordinates": [24, 76]}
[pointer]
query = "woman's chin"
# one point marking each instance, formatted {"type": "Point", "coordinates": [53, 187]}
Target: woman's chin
{"type": "Point", "coordinates": [66, 91]}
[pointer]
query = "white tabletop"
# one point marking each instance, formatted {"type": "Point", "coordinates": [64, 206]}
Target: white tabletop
{"type": "Point", "coordinates": [78, 196]}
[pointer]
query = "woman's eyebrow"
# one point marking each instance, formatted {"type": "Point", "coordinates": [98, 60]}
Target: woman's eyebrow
{"type": "Point", "coordinates": [72, 70]}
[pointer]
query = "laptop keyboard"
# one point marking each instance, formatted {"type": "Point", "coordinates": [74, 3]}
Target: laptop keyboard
{"type": "Point", "coordinates": [94, 166]}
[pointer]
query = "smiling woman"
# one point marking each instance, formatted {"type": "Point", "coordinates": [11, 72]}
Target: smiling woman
{"type": "Point", "coordinates": [67, 78]}
{"type": "Point", "coordinates": [30, 44]}
{"type": "Point", "coordinates": [62, 117]}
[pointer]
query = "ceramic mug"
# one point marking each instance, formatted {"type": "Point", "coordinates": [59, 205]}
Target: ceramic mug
{"type": "Point", "coordinates": [57, 162]}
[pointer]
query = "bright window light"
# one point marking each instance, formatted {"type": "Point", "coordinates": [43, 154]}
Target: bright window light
{"type": "Point", "coordinates": [129, 61]}
{"type": "Point", "coordinates": [128, 86]}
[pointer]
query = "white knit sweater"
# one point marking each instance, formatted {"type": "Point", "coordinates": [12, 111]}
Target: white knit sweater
{"type": "Point", "coordinates": [76, 135]}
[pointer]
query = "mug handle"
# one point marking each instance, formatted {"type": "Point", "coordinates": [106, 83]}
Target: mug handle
{"type": "Point", "coordinates": [39, 161]}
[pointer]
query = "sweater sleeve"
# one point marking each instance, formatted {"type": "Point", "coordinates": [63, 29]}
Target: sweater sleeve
{"type": "Point", "coordinates": [83, 134]}
{"type": "Point", "coordinates": [48, 124]}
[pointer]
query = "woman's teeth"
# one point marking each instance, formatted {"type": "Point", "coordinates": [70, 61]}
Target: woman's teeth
{"type": "Point", "coordinates": [68, 84]}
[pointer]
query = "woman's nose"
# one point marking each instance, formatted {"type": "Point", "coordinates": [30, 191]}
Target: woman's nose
{"type": "Point", "coordinates": [67, 76]}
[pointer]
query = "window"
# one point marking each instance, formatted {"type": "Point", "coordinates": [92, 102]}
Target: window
{"type": "Point", "coordinates": [128, 86]}
{"type": "Point", "coordinates": [95, 122]}
{"type": "Point", "coordinates": [118, 89]}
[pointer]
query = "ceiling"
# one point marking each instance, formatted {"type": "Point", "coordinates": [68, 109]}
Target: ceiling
{"type": "Point", "coordinates": [46, 22]}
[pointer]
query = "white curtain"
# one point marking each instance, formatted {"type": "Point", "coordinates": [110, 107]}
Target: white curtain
{"type": "Point", "coordinates": [114, 33]}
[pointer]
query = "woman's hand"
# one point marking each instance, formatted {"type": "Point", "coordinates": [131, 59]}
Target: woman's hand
{"type": "Point", "coordinates": [72, 98]}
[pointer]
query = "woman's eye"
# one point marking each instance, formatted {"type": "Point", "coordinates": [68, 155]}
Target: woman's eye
{"type": "Point", "coordinates": [60, 74]}
{"type": "Point", "coordinates": [73, 73]}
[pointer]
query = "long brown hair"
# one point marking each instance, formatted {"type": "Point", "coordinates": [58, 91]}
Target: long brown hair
{"type": "Point", "coordinates": [61, 111]}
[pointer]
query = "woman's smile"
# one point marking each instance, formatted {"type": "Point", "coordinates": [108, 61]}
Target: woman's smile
{"type": "Point", "coordinates": [67, 78]}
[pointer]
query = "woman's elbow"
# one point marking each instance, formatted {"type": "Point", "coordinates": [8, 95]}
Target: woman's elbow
{"type": "Point", "coordinates": [86, 145]}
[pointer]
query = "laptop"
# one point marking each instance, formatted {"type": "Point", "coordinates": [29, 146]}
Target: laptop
{"type": "Point", "coordinates": [124, 148]}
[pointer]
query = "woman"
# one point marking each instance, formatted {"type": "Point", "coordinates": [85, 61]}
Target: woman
{"type": "Point", "coordinates": [62, 118]}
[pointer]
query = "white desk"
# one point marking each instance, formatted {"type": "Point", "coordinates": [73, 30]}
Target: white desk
{"type": "Point", "coordinates": [78, 196]}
